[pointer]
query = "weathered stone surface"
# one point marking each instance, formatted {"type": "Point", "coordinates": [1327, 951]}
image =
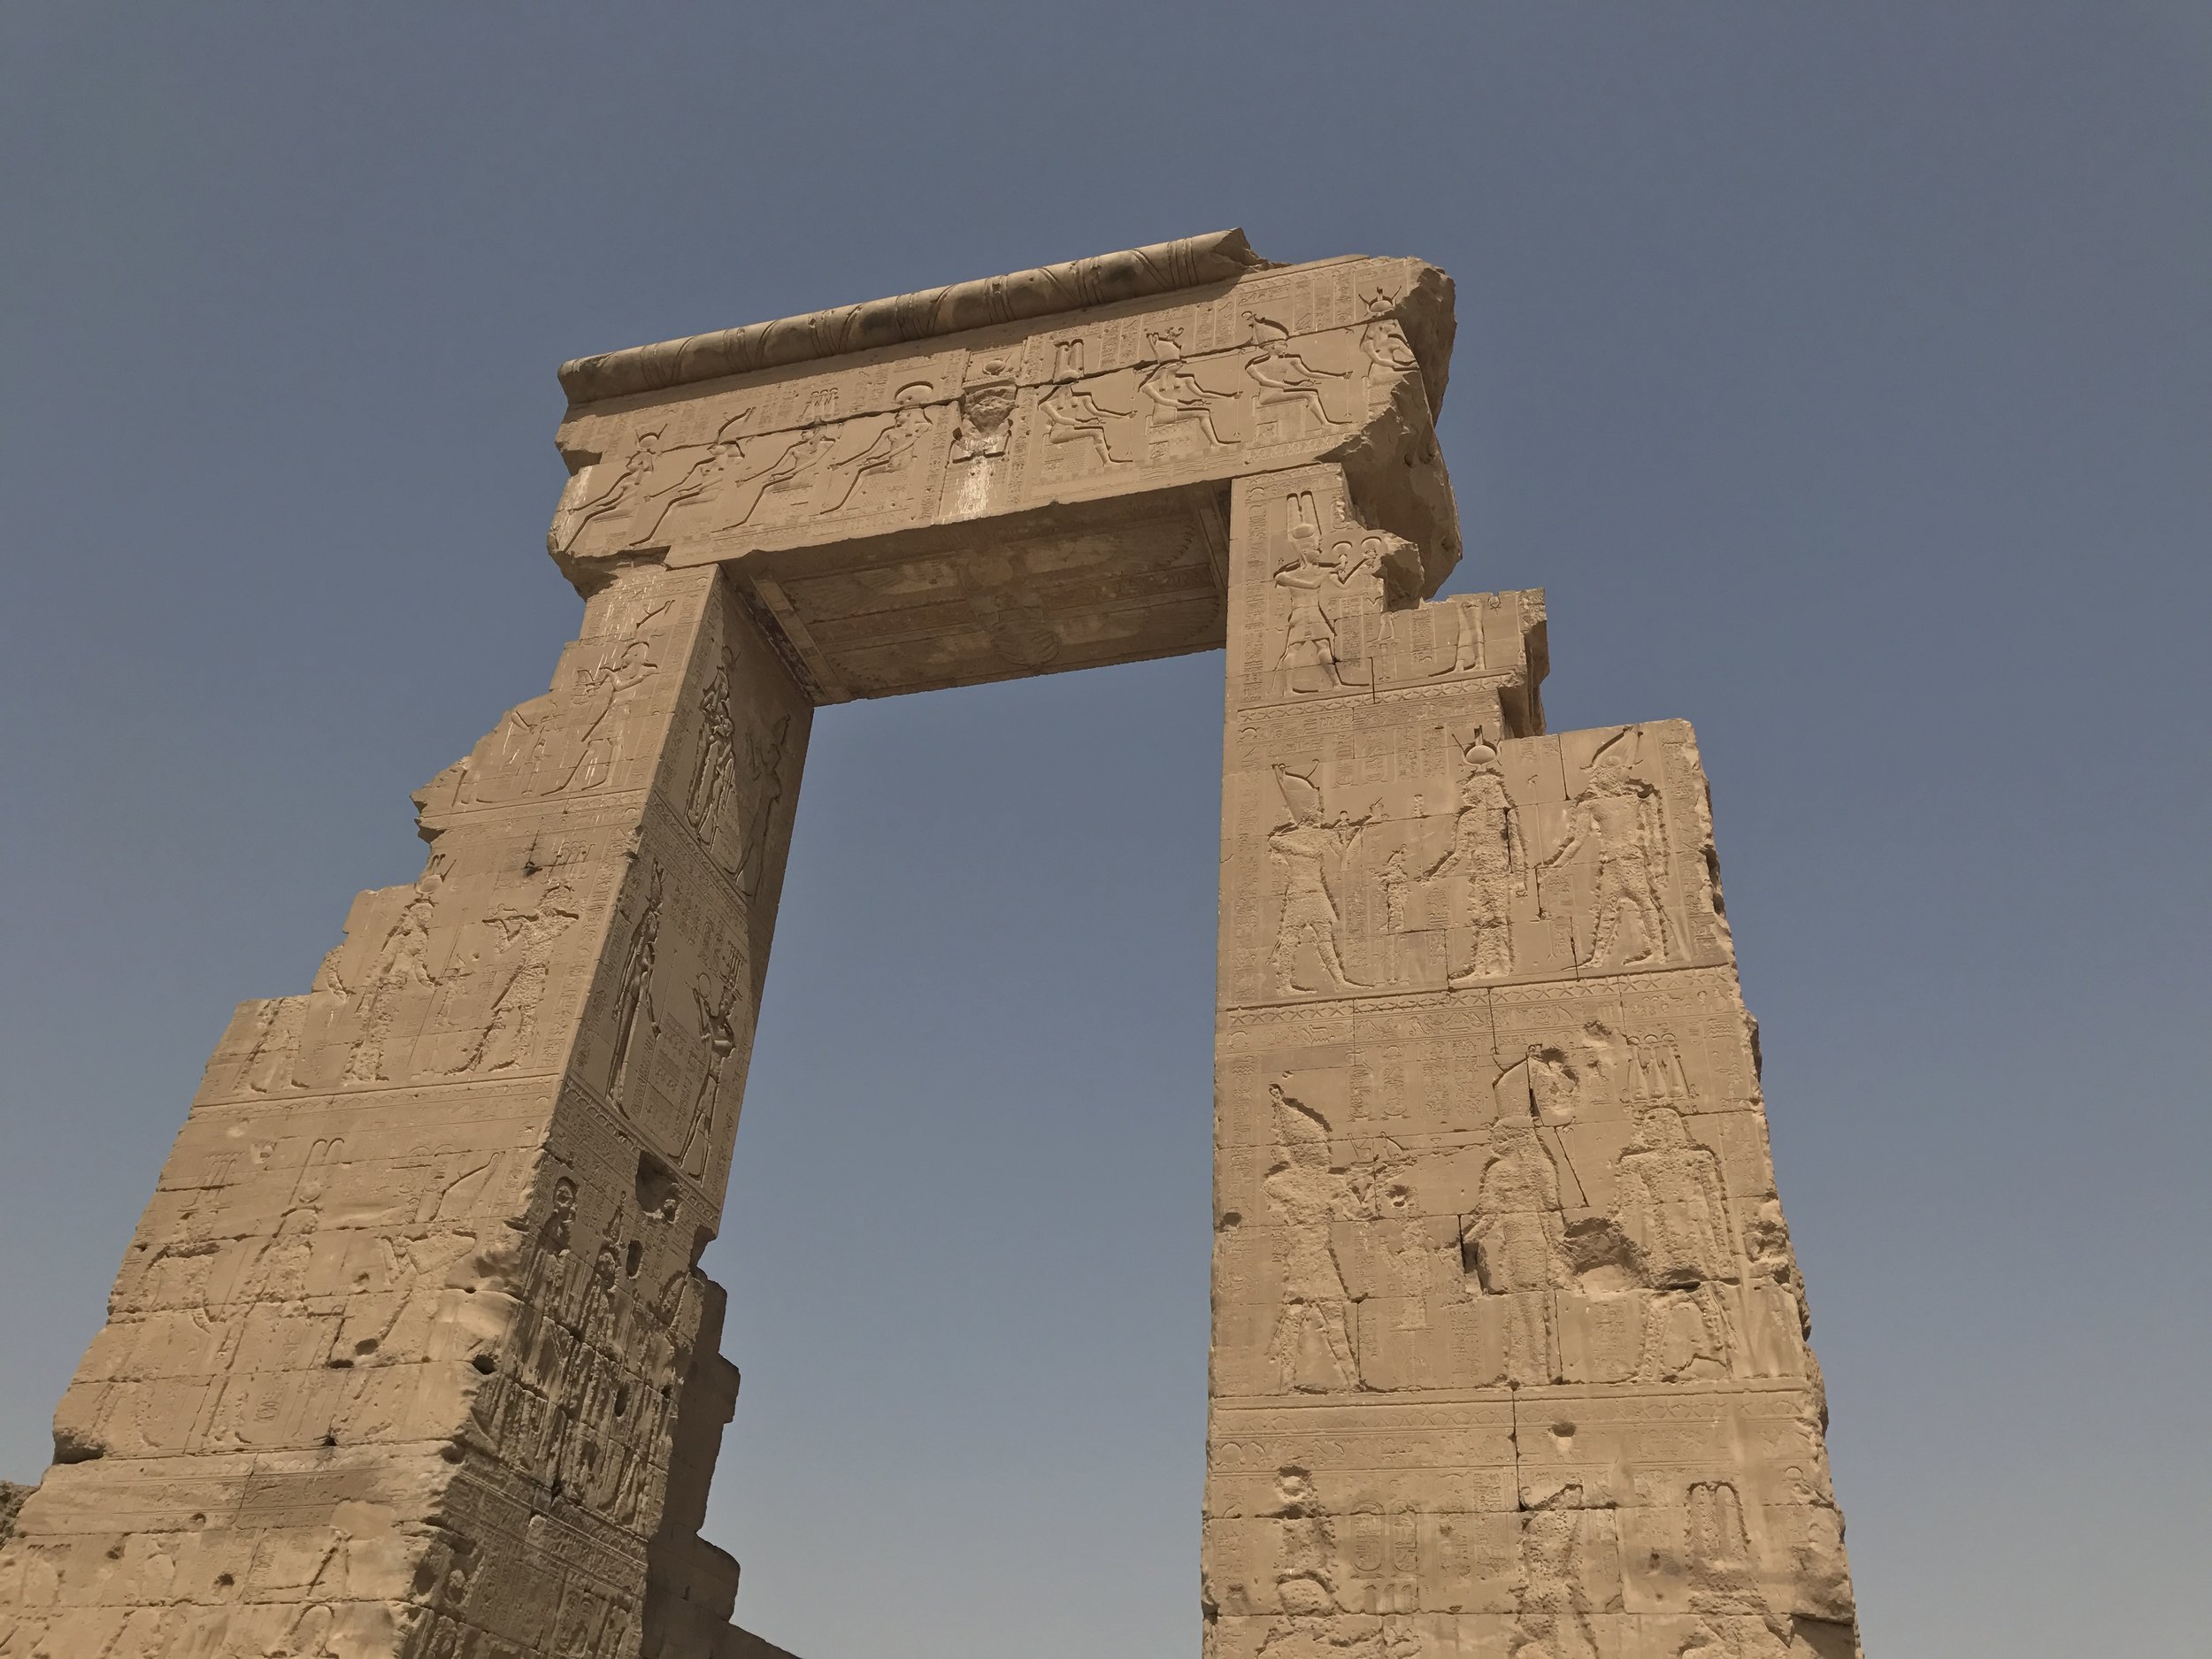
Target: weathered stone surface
{"type": "Point", "coordinates": [410, 1353]}
{"type": "Point", "coordinates": [1508, 1349]}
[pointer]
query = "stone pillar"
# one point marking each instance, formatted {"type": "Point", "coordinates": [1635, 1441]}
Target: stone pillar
{"type": "Point", "coordinates": [393, 1359]}
{"type": "Point", "coordinates": [1509, 1344]}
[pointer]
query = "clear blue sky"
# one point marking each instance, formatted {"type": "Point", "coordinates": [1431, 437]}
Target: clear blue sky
{"type": "Point", "coordinates": [1844, 372]}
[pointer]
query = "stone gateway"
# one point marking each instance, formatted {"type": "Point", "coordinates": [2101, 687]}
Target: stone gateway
{"type": "Point", "coordinates": [410, 1353]}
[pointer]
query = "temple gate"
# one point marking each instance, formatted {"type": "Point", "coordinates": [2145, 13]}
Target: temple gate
{"type": "Point", "coordinates": [410, 1353]}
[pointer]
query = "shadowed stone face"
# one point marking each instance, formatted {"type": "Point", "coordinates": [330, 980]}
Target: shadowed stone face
{"type": "Point", "coordinates": [410, 1355]}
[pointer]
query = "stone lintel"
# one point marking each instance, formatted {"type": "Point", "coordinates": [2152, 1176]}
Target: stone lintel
{"type": "Point", "coordinates": [1059, 586]}
{"type": "Point", "coordinates": [1037, 493]}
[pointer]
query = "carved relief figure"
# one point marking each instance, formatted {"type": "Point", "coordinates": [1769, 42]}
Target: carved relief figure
{"type": "Point", "coordinates": [576, 1379]}
{"type": "Point", "coordinates": [1512, 1243]}
{"type": "Point", "coordinates": [443, 1634]}
{"type": "Point", "coordinates": [1175, 393]}
{"type": "Point", "coordinates": [1310, 657]}
{"type": "Point", "coordinates": [633, 996]}
{"type": "Point", "coordinates": [740, 849]}
{"type": "Point", "coordinates": [714, 779]}
{"type": "Point", "coordinates": [1397, 887]}
{"type": "Point", "coordinates": [315, 1624]}
{"type": "Point", "coordinates": [1737, 1622]}
{"type": "Point", "coordinates": [268, 1064]}
{"type": "Point", "coordinates": [718, 467]}
{"type": "Point", "coordinates": [1617, 818]}
{"type": "Point", "coordinates": [1545, 1085]}
{"type": "Point", "coordinates": [273, 1267]}
{"type": "Point", "coordinates": [1555, 1593]}
{"type": "Point", "coordinates": [1383, 343]}
{"type": "Point", "coordinates": [324, 1010]}
{"type": "Point", "coordinates": [1310, 636]}
{"type": "Point", "coordinates": [545, 1273]}
{"type": "Point", "coordinates": [1365, 560]}
{"type": "Point", "coordinates": [793, 463]}
{"type": "Point", "coordinates": [1411, 1259]}
{"type": "Point", "coordinates": [395, 1324]}
{"type": "Point", "coordinates": [986, 421]}
{"type": "Point", "coordinates": [1488, 858]}
{"type": "Point", "coordinates": [1778, 1325]}
{"type": "Point", "coordinates": [600, 687]}
{"type": "Point", "coordinates": [1466, 638]}
{"type": "Point", "coordinates": [1305, 1547]}
{"type": "Point", "coordinates": [523, 961]}
{"type": "Point", "coordinates": [1312, 1343]}
{"type": "Point", "coordinates": [1672, 1203]}
{"type": "Point", "coordinates": [717, 1034]}
{"type": "Point", "coordinates": [572, 737]}
{"type": "Point", "coordinates": [401, 967]}
{"type": "Point", "coordinates": [1285, 378]}
{"type": "Point", "coordinates": [727, 481]}
{"type": "Point", "coordinates": [628, 485]}
{"type": "Point", "coordinates": [890, 451]}
{"type": "Point", "coordinates": [1306, 851]}
{"type": "Point", "coordinates": [763, 775]}
{"type": "Point", "coordinates": [1072, 415]}
{"type": "Point", "coordinates": [1685, 1336]}
{"type": "Point", "coordinates": [523, 734]}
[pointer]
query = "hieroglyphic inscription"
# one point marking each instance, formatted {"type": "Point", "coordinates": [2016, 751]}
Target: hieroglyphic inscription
{"type": "Point", "coordinates": [391, 1362]}
{"type": "Point", "coordinates": [1406, 851]}
{"type": "Point", "coordinates": [1269, 370]}
{"type": "Point", "coordinates": [1490, 1156]}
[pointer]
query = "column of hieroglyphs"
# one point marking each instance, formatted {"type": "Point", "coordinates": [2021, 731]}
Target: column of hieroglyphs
{"type": "Point", "coordinates": [393, 1359]}
{"type": "Point", "coordinates": [1509, 1350]}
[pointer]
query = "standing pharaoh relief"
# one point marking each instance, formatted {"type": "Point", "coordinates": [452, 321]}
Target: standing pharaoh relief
{"type": "Point", "coordinates": [410, 1353]}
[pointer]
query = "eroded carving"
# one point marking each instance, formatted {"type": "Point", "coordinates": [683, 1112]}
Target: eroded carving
{"type": "Point", "coordinates": [401, 969]}
{"type": "Point", "coordinates": [522, 968]}
{"type": "Point", "coordinates": [1310, 853]}
{"type": "Point", "coordinates": [1487, 862]}
{"type": "Point", "coordinates": [987, 418]}
{"type": "Point", "coordinates": [633, 1009]}
{"type": "Point", "coordinates": [717, 1034]}
{"type": "Point", "coordinates": [1616, 827]}
{"type": "Point", "coordinates": [1514, 1243]}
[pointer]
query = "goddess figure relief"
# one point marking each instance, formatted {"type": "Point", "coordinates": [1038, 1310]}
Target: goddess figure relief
{"type": "Point", "coordinates": [1617, 820]}
{"type": "Point", "coordinates": [1489, 858]}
